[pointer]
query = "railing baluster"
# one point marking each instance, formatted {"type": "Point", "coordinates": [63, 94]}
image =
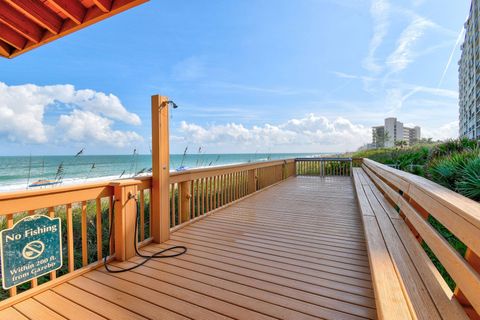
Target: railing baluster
{"type": "Point", "coordinates": [12, 291]}
{"type": "Point", "coordinates": [98, 208]}
{"type": "Point", "coordinates": [71, 266]}
{"type": "Point", "coordinates": [110, 211]}
{"type": "Point", "coordinates": [222, 189]}
{"type": "Point", "coordinates": [196, 212]}
{"type": "Point", "coordinates": [232, 190]}
{"type": "Point", "coordinates": [238, 185]}
{"type": "Point", "coordinates": [191, 194]}
{"type": "Point", "coordinates": [84, 234]}
{"type": "Point", "coordinates": [217, 195]}
{"type": "Point", "coordinates": [209, 194]}
{"type": "Point", "coordinates": [172, 207]}
{"type": "Point", "coordinates": [142, 215]}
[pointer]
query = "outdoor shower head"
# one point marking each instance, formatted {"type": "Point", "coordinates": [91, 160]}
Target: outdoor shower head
{"type": "Point", "coordinates": [172, 104]}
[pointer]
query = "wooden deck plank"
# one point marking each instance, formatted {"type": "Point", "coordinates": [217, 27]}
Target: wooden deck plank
{"type": "Point", "coordinates": [279, 249]}
{"type": "Point", "coordinates": [103, 307]}
{"type": "Point", "coordinates": [220, 294]}
{"type": "Point", "coordinates": [65, 307]}
{"type": "Point", "coordinates": [279, 288]}
{"type": "Point", "coordinates": [269, 269]}
{"type": "Point", "coordinates": [183, 307]}
{"type": "Point", "coordinates": [281, 225]}
{"type": "Point", "coordinates": [274, 255]}
{"type": "Point", "coordinates": [12, 314]}
{"type": "Point", "coordinates": [34, 310]}
{"type": "Point", "coordinates": [293, 251]}
{"type": "Point", "coordinates": [245, 286]}
{"type": "Point", "coordinates": [338, 253]}
{"type": "Point", "coordinates": [296, 247]}
{"type": "Point", "coordinates": [357, 247]}
{"type": "Point", "coordinates": [201, 300]}
{"type": "Point", "coordinates": [130, 302]}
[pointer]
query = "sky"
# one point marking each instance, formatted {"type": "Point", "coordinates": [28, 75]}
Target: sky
{"type": "Point", "coordinates": [252, 76]}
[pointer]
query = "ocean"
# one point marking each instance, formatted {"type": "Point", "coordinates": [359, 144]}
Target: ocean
{"type": "Point", "coordinates": [18, 172]}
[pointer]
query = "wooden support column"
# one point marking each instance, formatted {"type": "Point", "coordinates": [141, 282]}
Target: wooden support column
{"type": "Point", "coordinates": [252, 181]}
{"type": "Point", "coordinates": [125, 192]}
{"type": "Point", "coordinates": [185, 194]}
{"type": "Point", "coordinates": [160, 197]}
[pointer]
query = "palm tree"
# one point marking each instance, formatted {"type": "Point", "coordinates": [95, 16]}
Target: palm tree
{"type": "Point", "coordinates": [401, 144]}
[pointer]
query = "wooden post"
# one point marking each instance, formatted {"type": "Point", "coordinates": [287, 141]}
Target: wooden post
{"type": "Point", "coordinates": [125, 192]}
{"type": "Point", "coordinates": [251, 180]}
{"type": "Point", "coordinates": [185, 194]}
{"type": "Point", "coordinates": [160, 201]}
{"type": "Point", "coordinates": [474, 260]}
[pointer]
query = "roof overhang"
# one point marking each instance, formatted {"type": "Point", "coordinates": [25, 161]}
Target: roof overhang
{"type": "Point", "coordinates": [28, 24]}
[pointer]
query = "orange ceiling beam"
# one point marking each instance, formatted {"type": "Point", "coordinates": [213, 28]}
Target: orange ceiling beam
{"type": "Point", "coordinates": [28, 24]}
{"type": "Point", "coordinates": [71, 8]}
{"type": "Point", "coordinates": [104, 5]}
{"type": "Point", "coordinates": [38, 13]}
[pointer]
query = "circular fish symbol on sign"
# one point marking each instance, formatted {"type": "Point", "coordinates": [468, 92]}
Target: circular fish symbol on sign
{"type": "Point", "coordinates": [33, 250]}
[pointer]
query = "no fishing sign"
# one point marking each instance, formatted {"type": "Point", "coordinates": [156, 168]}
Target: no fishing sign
{"type": "Point", "coordinates": [30, 249]}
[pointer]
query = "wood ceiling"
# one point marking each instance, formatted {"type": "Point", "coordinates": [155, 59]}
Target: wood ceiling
{"type": "Point", "coordinates": [27, 24]}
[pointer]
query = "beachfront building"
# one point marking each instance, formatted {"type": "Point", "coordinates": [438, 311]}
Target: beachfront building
{"type": "Point", "coordinates": [392, 132]}
{"type": "Point", "coordinates": [469, 78]}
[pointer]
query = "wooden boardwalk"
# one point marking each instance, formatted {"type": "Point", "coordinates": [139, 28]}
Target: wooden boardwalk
{"type": "Point", "coordinates": [294, 251]}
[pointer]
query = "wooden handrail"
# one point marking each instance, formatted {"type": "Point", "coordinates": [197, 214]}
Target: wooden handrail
{"type": "Point", "coordinates": [193, 174]}
{"type": "Point", "coordinates": [324, 166]}
{"type": "Point", "coordinates": [418, 198]}
{"type": "Point", "coordinates": [324, 159]}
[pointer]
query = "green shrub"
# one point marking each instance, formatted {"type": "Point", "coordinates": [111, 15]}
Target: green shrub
{"type": "Point", "coordinates": [469, 185]}
{"type": "Point", "coordinates": [459, 172]}
{"type": "Point", "coordinates": [453, 146]}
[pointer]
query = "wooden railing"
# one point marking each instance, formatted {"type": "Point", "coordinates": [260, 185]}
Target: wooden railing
{"type": "Point", "coordinates": [86, 211]}
{"type": "Point", "coordinates": [418, 200]}
{"type": "Point", "coordinates": [323, 166]}
{"type": "Point", "coordinates": [196, 192]}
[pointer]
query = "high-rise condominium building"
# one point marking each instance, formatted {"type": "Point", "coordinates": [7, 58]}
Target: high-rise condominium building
{"type": "Point", "coordinates": [469, 77]}
{"type": "Point", "coordinates": [392, 132]}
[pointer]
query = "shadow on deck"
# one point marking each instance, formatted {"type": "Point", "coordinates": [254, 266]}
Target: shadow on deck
{"type": "Point", "coordinates": [294, 251]}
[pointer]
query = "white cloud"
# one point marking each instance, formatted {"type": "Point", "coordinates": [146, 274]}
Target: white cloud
{"type": "Point", "coordinates": [444, 132]}
{"type": "Point", "coordinates": [107, 105]}
{"type": "Point", "coordinates": [460, 37]}
{"type": "Point", "coordinates": [23, 109]}
{"type": "Point", "coordinates": [353, 77]}
{"type": "Point", "coordinates": [80, 126]}
{"type": "Point", "coordinates": [403, 54]}
{"type": "Point", "coordinates": [396, 97]}
{"type": "Point", "coordinates": [311, 133]}
{"type": "Point", "coordinates": [380, 10]}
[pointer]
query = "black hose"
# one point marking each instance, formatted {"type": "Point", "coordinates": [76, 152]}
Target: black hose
{"type": "Point", "coordinates": [156, 255]}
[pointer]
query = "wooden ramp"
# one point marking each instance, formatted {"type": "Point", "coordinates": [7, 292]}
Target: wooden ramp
{"type": "Point", "coordinates": [294, 251]}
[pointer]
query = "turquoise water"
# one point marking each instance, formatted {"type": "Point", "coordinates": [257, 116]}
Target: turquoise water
{"type": "Point", "coordinates": [18, 172]}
